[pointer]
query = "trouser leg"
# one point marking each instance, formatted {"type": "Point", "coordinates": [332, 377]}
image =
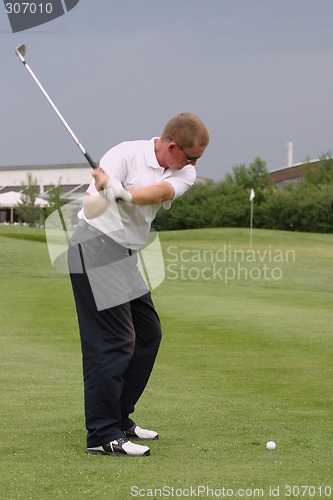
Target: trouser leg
{"type": "Point", "coordinates": [147, 340]}
{"type": "Point", "coordinates": [107, 341]}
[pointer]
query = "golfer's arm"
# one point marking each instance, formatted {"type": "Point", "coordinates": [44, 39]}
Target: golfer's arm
{"type": "Point", "coordinates": [154, 194]}
{"type": "Point", "coordinates": [95, 205]}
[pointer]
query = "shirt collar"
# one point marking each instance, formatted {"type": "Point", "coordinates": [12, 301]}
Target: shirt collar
{"type": "Point", "coordinates": [150, 154]}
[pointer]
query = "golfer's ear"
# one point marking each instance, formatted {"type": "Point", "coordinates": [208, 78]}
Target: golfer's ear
{"type": "Point", "coordinates": [171, 146]}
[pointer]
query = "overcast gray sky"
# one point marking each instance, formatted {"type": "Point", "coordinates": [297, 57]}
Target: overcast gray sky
{"type": "Point", "coordinates": [258, 72]}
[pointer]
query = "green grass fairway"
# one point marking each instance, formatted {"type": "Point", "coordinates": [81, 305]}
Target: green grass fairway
{"type": "Point", "coordinates": [246, 358]}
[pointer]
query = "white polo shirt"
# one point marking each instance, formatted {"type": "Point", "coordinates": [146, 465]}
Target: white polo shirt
{"type": "Point", "coordinates": [135, 164]}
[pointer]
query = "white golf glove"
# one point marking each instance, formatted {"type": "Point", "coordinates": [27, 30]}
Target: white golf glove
{"type": "Point", "coordinates": [115, 191]}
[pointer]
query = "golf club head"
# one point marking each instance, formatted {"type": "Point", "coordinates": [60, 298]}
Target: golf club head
{"type": "Point", "coordinates": [20, 51]}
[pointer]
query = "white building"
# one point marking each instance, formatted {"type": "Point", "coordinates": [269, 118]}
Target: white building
{"type": "Point", "coordinates": [72, 176]}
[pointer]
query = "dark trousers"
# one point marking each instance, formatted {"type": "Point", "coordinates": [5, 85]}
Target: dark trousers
{"type": "Point", "coordinates": [119, 347]}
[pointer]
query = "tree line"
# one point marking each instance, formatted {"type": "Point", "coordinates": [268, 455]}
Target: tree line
{"type": "Point", "coordinates": [303, 206]}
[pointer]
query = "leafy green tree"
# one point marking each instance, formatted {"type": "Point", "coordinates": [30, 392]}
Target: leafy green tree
{"type": "Point", "coordinates": [55, 198]}
{"type": "Point", "coordinates": [321, 174]}
{"type": "Point", "coordinates": [27, 209]}
{"type": "Point", "coordinates": [254, 176]}
{"type": "Point", "coordinates": [302, 207]}
{"type": "Point", "coordinates": [280, 211]}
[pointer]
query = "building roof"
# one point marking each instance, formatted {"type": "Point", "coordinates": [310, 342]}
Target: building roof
{"type": "Point", "coordinates": [294, 172]}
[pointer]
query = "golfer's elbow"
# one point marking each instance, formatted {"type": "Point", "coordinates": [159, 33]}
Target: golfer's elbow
{"type": "Point", "coordinates": [165, 192]}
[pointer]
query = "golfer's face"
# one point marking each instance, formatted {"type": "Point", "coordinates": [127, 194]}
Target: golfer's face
{"type": "Point", "coordinates": [180, 157]}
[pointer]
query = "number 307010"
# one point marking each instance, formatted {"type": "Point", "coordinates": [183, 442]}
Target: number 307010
{"type": "Point", "coordinates": [28, 8]}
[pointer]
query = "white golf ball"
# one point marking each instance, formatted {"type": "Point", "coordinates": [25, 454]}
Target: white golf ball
{"type": "Point", "coordinates": [271, 446]}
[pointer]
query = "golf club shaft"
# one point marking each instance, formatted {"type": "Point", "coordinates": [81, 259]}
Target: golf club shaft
{"type": "Point", "coordinates": [20, 52]}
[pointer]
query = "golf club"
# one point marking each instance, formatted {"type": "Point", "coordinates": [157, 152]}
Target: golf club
{"type": "Point", "coordinates": [20, 52]}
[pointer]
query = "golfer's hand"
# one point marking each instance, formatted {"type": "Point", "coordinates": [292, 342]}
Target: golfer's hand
{"type": "Point", "coordinates": [101, 178]}
{"type": "Point", "coordinates": [110, 189]}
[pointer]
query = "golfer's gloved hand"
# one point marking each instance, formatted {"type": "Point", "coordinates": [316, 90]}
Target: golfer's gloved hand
{"type": "Point", "coordinates": [115, 191]}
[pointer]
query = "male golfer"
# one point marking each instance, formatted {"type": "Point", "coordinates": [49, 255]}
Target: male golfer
{"type": "Point", "coordinates": [119, 328]}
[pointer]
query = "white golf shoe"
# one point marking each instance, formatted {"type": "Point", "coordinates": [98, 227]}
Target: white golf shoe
{"type": "Point", "coordinates": [121, 446]}
{"type": "Point", "coordinates": [135, 432]}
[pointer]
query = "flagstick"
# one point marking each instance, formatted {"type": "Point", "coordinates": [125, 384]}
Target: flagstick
{"type": "Point", "coordinates": [252, 196]}
{"type": "Point", "coordinates": [251, 223]}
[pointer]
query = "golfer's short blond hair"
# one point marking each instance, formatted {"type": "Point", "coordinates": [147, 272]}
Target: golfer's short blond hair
{"type": "Point", "coordinates": [187, 130]}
